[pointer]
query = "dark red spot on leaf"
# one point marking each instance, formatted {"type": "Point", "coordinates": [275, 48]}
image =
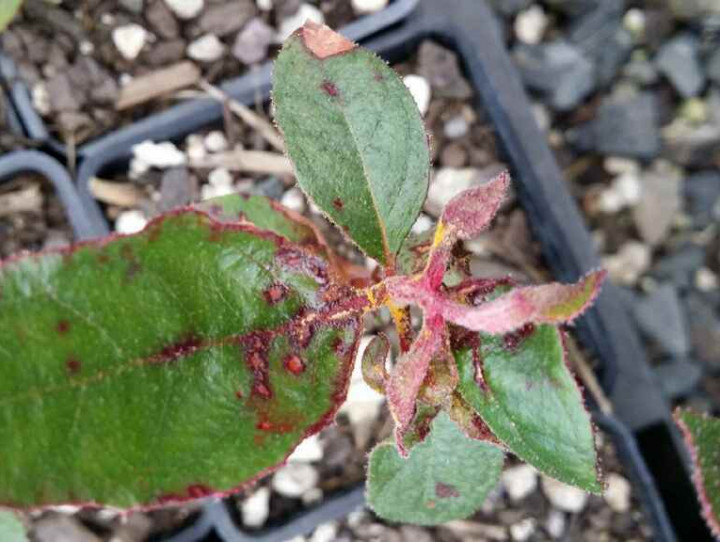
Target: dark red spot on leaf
{"type": "Point", "coordinates": [338, 204]}
{"type": "Point", "coordinates": [330, 88]}
{"type": "Point", "coordinates": [63, 326]}
{"type": "Point", "coordinates": [264, 425]}
{"type": "Point", "coordinates": [73, 366]}
{"type": "Point", "coordinates": [275, 293]}
{"type": "Point", "coordinates": [446, 491]}
{"type": "Point", "coordinates": [184, 347]}
{"type": "Point", "coordinates": [513, 340]}
{"type": "Point", "coordinates": [378, 76]}
{"type": "Point", "coordinates": [197, 491]}
{"type": "Point", "coordinates": [294, 364]}
{"type": "Point", "coordinates": [239, 394]}
{"type": "Point", "coordinates": [261, 390]}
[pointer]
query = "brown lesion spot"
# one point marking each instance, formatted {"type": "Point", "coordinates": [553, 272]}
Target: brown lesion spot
{"type": "Point", "coordinates": [62, 327]}
{"type": "Point", "coordinates": [338, 204]}
{"type": "Point", "coordinates": [275, 293]}
{"type": "Point", "coordinates": [323, 42]}
{"type": "Point", "coordinates": [446, 491]}
{"type": "Point", "coordinates": [73, 365]}
{"type": "Point", "coordinates": [330, 88]}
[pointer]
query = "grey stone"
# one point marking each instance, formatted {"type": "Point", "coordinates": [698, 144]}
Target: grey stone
{"type": "Point", "coordinates": [593, 29]}
{"type": "Point", "coordinates": [62, 95]}
{"type": "Point", "coordinates": [175, 189]}
{"type": "Point", "coordinates": [641, 71]}
{"type": "Point", "coordinates": [558, 71]}
{"type": "Point", "coordinates": [679, 60]}
{"type": "Point", "coordinates": [166, 52]}
{"type": "Point", "coordinates": [660, 316]}
{"type": "Point", "coordinates": [623, 126]}
{"type": "Point", "coordinates": [679, 266]}
{"type": "Point", "coordinates": [702, 195]}
{"type": "Point", "coordinates": [439, 66]}
{"type": "Point", "coordinates": [678, 378]}
{"type": "Point", "coordinates": [509, 8]}
{"type": "Point", "coordinates": [162, 21]}
{"type": "Point", "coordinates": [704, 330]}
{"type": "Point", "coordinates": [611, 56]}
{"type": "Point", "coordinates": [694, 9]}
{"type": "Point", "coordinates": [693, 146]}
{"type": "Point", "coordinates": [134, 6]}
{"type": "Point", "coordinates": [271, 187]}
{"type": "Point", "coordinates": [252, 42]}
{"type": "Point", "coordinates": [661, 201]}
{"type": "Point", "coordinates": [712, 67]}
{"type": "Point", "coordinates": [224, 19]}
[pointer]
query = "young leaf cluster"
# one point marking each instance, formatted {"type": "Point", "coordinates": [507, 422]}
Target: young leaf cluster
{"type": "Point", "coordinates": [190, 359]}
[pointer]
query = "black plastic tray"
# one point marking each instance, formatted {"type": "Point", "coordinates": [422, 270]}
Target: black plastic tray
{"type": "Point", "coordinates": [358, 30]}
{"type": "Point", "coordinates": [16, 162]}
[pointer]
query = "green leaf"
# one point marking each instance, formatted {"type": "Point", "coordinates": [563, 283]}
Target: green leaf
{"type": "Point", "coordinates": [702, 436]}
{"type": "Point", "coordinates": [11, 529]}
{"type": "Point", "coordinates": [447, 476]}
{"type": "Point", "coordinates": [355, 137]}
{"type": "Point", "coordinates": [182, 361]}
{"type": "Point", "coordinates": [529, 399]}
{"type": "Point", "coordinates": [8, 9]}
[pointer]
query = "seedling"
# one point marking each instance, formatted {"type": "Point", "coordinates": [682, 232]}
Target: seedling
{"type": "Point", "coordinates": [190, 359]}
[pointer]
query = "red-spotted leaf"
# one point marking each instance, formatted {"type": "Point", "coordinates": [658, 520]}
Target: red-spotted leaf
{"type": "Point", "coordinates": [547, 304]}
{"type": "Point", "coordinates": [374, 360]}
{"type": "Point", "coordinates": [521, 387]}
{"type": "Point", "coordinates": [447, 476]}
{"type": "Point", "coordinates": [702, 436]}
{"type": "Point", "coordinates": [354, 135]}
{"type": "Point", "coordinates": [182, 361]}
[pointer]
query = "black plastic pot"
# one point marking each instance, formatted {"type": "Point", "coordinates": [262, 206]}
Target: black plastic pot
{"type": "Point", "coordinates": [641, 428]}
{"type": "Point", "coordinates": [358, 30]}
{"type": "Point", "coordinates": [14, 163]}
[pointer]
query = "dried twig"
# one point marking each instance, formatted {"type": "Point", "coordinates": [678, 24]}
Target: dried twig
{"type": "Point", "coordinates": [246, 161]}
{"type": "Point", "coordinates": [25, 200]}
{"type": "Point", "coordinates": [157, 83]}
{"type": "Point", "coordinates": [113, 193]}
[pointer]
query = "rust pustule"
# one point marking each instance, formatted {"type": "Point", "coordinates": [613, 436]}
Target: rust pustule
{"type": "Point", "coordinates": [323, 42]}
{"type": "Point", "coordinates": [329, 88]}
{"type": "Point", "coordinates": [73, 366]}
{"type": "Point", "coordinates": [338, 204]}
{"type": "Point", "coordinates": [446, 491]}
{"type": "Point", "coordinates": [184, 347]}
{"type": "Point", "coordinates": [62, 327]}
{"type": "Point", "coordinates": [294, 364]}
{"type": "Point", "coordinates": [275, 293]}
{"type": "Point", "coordinates": [239, 394]}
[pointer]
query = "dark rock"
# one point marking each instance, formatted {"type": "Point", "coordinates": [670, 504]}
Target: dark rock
{"type": "Point", "coordinates": [441, 69]}
{"type": "Point", "coordinates": [558, 71]}
{"type": "Point", "coordinates": [162, 21]}
{"type": "Point", "coordinates": [61, 93]}
{"type": "Point", "coordinates": [175, 189]}
{"type": "Point", "coordinates": [659, 26]}
{"type": "Point", "coordinates": [678, 378]}
{"type": "Point", "coordinates": [227, 18]}
{"type": "Point", "coordinates": [702, 195]}
{"type": "Point", "coordinates": [286, 8]}
{"type": "Point", "coordinates": [252, 42]}
{"type": "Point", "coordinates": [679, 60]}
{"type": "Point", "coordinates": [679, 267]}
{"type": "Point", "coordinates": [166, 52]}
{"type": "Point", "coordinates": [271, 187]}
{"type": "Point", "coordinates": [712, 67]}
{"type": "Point", "coordinates": [573, 7]}
{"type": "Point", "coordinates": [509, 8]}
{"type": "Point", "coordinates": [661, 318]}
{"type": "Point", "coordinates": [704, 331]}
{"type": "Point", "coordinates": [692, 146]}
{"type": "Point", "coordinates": [90, 78]}
{"type": "Point", "coordinates": [611, 56]}
{"type": "Point", "coordinates": [591, 30]}
{"type": "Point", "coordinates": [625, 125]}
{"type": "Point", "coordinates": [74, 122]}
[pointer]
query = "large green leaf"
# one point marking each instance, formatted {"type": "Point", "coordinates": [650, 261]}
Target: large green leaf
{"type": "Point", "coordinates": [11, 529]}
{"type": "Point", "coordinates": [182, 361]}
{"type": "Point", "coordinates": [8, 9]}
{"type": "Point", "coordinates": [529, 399]}
{"type": "Point", "coordinates": [447, 476]}
{"type": "Point", "coordinates": [354, 135]}
{"type": "Point", "coordinates": [702, 435]}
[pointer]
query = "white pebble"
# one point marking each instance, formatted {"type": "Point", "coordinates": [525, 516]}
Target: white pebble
{"type": "Point", "coordinates": [185, 9]}
{"type": "Point", "coordinates": [617, 493]}
{"type": "Point", "coordinates": [629, 187]}
{"type": "Point", "coordinates": [368, 6]}
{"type": "Point", "coordinates": [129, 40]}
{"type": "Point", "coordinates": [706, 280]}
{"type": "Point", "coordinates": [630, 262]}
{"type": "Point", "coordinates": [304, 13]}
{"type": "Point", "coordinates": [530, 25]}
{"type": "Point", "coordinates": [86, 47]}
{"type": "Point", "coordinates": [308, 451]}
{"type": "Point", "coordinates": [555, 524]}
{"type": "Point", "coordinates": [542, 116]}
{"type": "Point", "coordinates": [523, 529]}
{"type": "Point", "coordinates": [216, 141]}
{"type": "Point", "coordinates": [294, 200]}
{"type": "Point", "coordinates": [617, 165]}
{"type": "Point", "coordinates": [327, 532]}
{"type": "Point", "coordinates": [208, 191]}
{"type": "Point", "coordinates": [220, 177]}
{"type": "Point", "coordinates": [564, 497]}
{"type": "Point", "coordinates": [520, 481]}
{"type": "Point", "coordinates": [131, 221]}
{"type": "Point", "coordinates": [420, 90]}
{"type": "Point", "coordinates": [264, 5]}
{"type": "Point", "coordinates": [41, 98]}
{"type": "Point", "coordinates": [207, 48]}
{"type": "Point", "coordinates": [256, 508]}
{"type": "Point", "coordinates": [160, 155]}
{"type": "Point", "coordinates": [294, 479]}
{"type": "Point", "coordinates": [195, 147]}
{"type": "Point", "coordinates": [634, 22]}
{"type": "Point", "coordinates": [422, 224]}
{"type": "Point", "coordinates": [456, 127]}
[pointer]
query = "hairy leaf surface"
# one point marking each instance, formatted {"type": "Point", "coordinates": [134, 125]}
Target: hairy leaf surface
{"type": "Point", "coordinates": [447, 476]}
{"type": "Point", "coordinates": [354, 135]}
{"type": "Point", "coordinates": [521, 387]}
{"type": "Point", "coordinates": [702, 436]}
{"type": "Point", "coordinates": [175, 363]}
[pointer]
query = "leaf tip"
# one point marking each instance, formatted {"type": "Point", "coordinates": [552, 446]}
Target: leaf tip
{"type": "Point", "coordinates": [322, 41]}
